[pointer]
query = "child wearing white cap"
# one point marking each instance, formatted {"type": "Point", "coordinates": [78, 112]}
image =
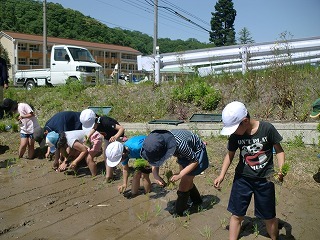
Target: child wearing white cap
{"type": "Point", "coordinates": [106, 126]}
{"type": "Point", "coordinates": [75, 140]}
{"type": "Point", "coordinates": [255, 140]}
{"type": "Point", "coordinates": [117, 152]}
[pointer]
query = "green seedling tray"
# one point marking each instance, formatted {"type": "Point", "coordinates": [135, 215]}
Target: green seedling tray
{"type": "Point", "coordinates": [170, 122]}
{"type": "Point", "coordinates": [199, 117]}
{"type": "Point", "coordinates": [100, 110]}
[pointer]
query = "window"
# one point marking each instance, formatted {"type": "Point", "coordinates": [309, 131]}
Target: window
{"type": "Point", "coordinates": [22, 46]}
{"type": "Point", "coordinates": [100, 53]}
{"type": "Point", "coordinates": [34, 61]}
{"type": "Point", "coordinates": [34, 47]}
{"type": "Point", "coordinates": [124, 66]}
{"type": "Point", "coordinates": [128, 56]}
{"type": "Point", "coordinates": [131, 67]}
{"type": "Point", "coordinates": [114, 55]}
{"type": "Point", "coordinates": [81, 54]}
{"type": "Point", "coordinates": [60, 54]}
{"type": "Point", "coordinates": [22, 61]}
{"type": "Point", "coordinates": [106, 54]}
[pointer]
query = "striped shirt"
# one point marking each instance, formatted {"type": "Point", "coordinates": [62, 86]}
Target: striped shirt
{"type": "Point", "coordinates": [188, 145]}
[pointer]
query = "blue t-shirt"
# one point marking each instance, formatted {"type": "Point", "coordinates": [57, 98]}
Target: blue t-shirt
{"type": "Point", "coordinates": [134, 144]}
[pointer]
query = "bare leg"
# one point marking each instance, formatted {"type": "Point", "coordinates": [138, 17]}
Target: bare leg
{"type": "Point", "coordinates": [23, 146]}
{"type": "Point", "coordinates": [146, 182]}
{"type": "Point", "coordinates": [272, 228]}
{"type": "Point", "coordinates": [31, 148]}
{"type": "Point", "coordinates": [234, 228]}
{"type": "Point", "coordinates": [109, 172]}
{"type": "Point", "coordinates": [186, 183]}
{"type": "Point", "coordinates": [135, 182]}
{"type": "Point", "coordinates": [91, 164]}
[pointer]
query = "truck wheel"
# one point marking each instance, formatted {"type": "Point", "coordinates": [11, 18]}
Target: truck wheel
{"type": "Point", "coordinates": [30, 84]}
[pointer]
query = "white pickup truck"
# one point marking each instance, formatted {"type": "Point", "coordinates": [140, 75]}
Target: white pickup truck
{"type": "Point", "coordinates": [67, 62]}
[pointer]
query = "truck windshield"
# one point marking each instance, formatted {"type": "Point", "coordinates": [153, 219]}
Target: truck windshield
{"type": "Point", "coordinates": [81, 54]}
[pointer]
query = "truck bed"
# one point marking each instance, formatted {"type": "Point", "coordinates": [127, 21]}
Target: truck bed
{"type": "Point", "coordinates": [33, 73]}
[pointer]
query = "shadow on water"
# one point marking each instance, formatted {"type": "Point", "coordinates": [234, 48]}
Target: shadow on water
{"type": "Point", "coordinates": [208, 202]}
{"type": "Point", "coordinates": [8, 162]}
{"type": "Point", "coordinates": [3, 149]}
{"type": "Point", "coordinates": [316, 176]}
{"type": "Point", "coordinates": [256, 226]}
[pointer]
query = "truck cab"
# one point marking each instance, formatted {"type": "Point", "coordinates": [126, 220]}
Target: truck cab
{"type": "Point", "coordinates": [66, 62]}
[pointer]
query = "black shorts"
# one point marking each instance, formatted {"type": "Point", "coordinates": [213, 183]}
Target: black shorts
{"type": "Point", "coordinates": [264, 197]}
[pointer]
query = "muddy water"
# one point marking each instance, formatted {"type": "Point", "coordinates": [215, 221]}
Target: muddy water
{"type": "Point", "coordinates": [39, 203]}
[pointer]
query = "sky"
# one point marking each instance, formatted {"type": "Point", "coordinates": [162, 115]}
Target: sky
{"type": "Point", "coordinates": [266, 20]}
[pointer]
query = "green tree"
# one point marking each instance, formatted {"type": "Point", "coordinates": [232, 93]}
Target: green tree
{"type": "Point", "coordinates": [245, 36]}
{"type": "Point", "coordinates": [222, 24]}
{"type": "Point", "coordinates": [26, 16]}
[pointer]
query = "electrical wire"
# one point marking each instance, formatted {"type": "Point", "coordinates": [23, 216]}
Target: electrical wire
{"type": "Point", "coordinates": [147, 6]}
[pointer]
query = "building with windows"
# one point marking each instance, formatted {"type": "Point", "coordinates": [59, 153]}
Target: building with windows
{"type": "Point", "coordinates": [26, 52]}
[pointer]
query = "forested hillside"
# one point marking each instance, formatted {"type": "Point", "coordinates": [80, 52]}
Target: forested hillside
{"type": "Point", "coordinates": [26, 16]}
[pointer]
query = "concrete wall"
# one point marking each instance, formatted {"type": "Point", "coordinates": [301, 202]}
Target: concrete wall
{"type": "Point", "coordinates": [287, 130]}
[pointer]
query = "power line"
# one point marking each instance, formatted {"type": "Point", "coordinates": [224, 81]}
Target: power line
{"type": "Point", "coordinates": [181, 16]}
{"type": "Point", "coordinates": [148, 9]}
{"type": "Point", "coordinates": [182, 10]}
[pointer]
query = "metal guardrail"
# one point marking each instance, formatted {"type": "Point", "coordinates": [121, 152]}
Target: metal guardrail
{"type": "Point", "coordinates": [239, 58]}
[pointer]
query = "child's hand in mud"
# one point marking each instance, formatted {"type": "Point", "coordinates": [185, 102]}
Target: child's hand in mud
{"type": "Point", "coordinates": [122, 188]}
{"type": "Point", "coordinates": [63, 166]}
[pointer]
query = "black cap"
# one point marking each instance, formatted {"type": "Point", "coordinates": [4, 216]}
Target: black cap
{"type": "Point", "coordinates": [8, 104]}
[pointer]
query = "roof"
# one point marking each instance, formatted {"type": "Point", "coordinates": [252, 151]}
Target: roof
{"type": "Point", "coordinates": [66, 41]}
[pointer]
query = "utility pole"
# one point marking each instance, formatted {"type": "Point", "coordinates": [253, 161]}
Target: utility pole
{"type": "Point", "coordinates": [44, 34]}
{"type": "Point", "coordinates": [155, 46]}
{"type": "Point", "coordinates": [155, 28]}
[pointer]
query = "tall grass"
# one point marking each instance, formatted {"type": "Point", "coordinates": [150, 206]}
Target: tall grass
{"type": "Point", "coordinates": [280, 93]}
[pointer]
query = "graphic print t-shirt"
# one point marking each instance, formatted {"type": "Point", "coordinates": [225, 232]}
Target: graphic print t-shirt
{"type": "Point", "coordinates": [256, 156]}
{"type": "Point", "coordinates": [106, 126]}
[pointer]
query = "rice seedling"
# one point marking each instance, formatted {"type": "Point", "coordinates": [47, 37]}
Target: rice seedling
{"type": "Point", "coordinates": [276, 178]}
{"type": "Point", "coordinates": [256, 230]}
{"type": "Point", "coordinates": [158, 209]}
{"type": "Point", "coordinates": [140, 163]}
{"type": "Point", "coordinates": [285, 169]}
{"type": "Point", "coordinates": [223, 223]}
{"type": "Point", "coordinates": [169, 174]}
{"type": "Point", "coordinates": [144, 217]}
{"type": "Point", "coordinates": [206, 232]}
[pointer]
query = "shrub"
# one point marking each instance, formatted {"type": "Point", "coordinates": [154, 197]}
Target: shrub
{"type": "Point", "coordinates": [198, 92]}
{"type": "Point", "coordinates": [297, 141]}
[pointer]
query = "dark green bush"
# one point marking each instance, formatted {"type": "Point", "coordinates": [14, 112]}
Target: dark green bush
{"type": "Point", "coordinates": [198, 92]}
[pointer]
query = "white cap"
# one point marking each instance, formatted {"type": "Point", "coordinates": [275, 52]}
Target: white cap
{"type": "Point", "coordinates": [87, 118]}
{"type": "Point", "coordinates": [114, 153]}
{"type": "Point", "coordinates": [232, 116]}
